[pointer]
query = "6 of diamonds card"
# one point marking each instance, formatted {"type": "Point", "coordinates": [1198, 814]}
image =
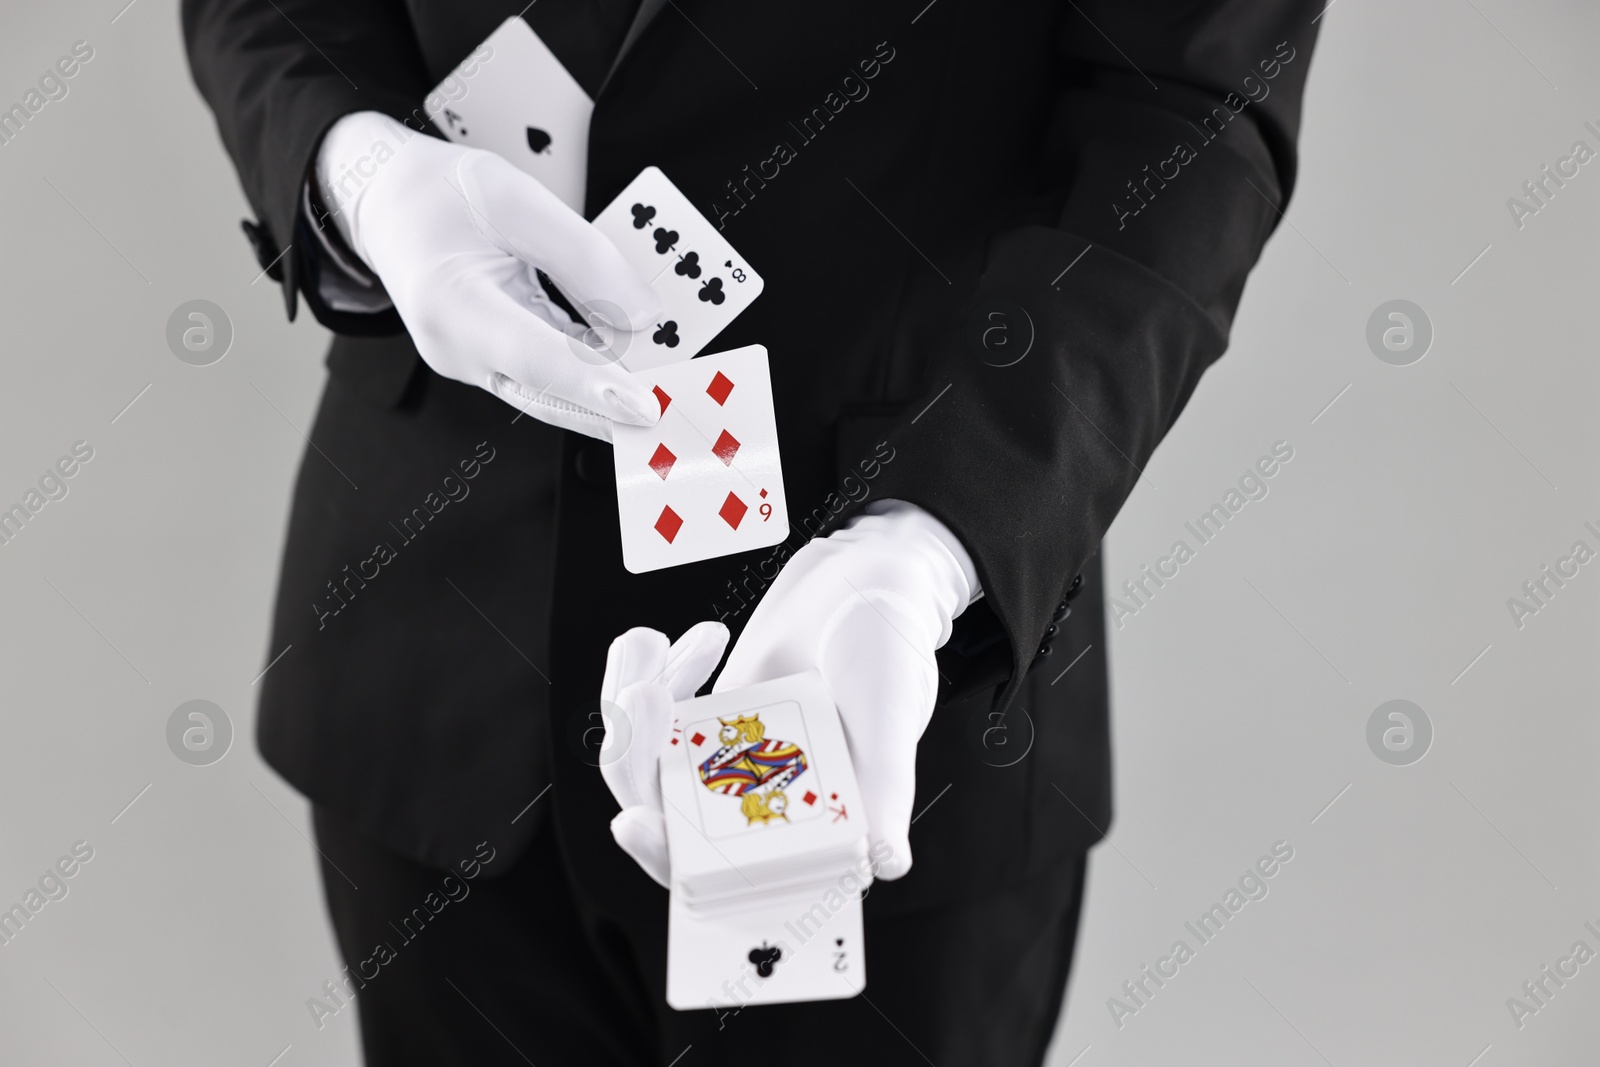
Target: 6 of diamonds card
{"type": "Point", "coordinates": [706, 480]}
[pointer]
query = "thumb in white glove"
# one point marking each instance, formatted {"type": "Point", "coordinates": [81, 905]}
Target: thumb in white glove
{"type": "Point", "coordinates": [644, 677]}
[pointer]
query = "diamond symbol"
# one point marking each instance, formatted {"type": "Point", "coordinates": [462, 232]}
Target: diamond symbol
{"type": "Point", "coordinates": [810, 797]}
{"type": "Point", "coordinates": [661, 461]}
{"type": "Point", "coordinates": [698, 739]}
{"type": "Point", "coordinates": [668, 524]}
{"type": "Point", "coordinates": [732, 511]}
{"type": "Point", "coordinates": [719, 388]}
{"type": "Point", "coordinates": [725, 449]}
{"type": "Point", "coordinates": [662, 398]}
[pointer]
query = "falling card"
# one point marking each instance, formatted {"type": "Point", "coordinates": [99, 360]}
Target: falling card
{"type": "Point", "coordinates": [706, 480]}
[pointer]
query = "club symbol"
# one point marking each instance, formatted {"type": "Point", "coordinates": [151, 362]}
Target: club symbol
{"type": "Point", "coordinates": [642, 214]}
{"type": "Point", "coordinates": [538, 140]}
{"type": "Point", "coordinates": [711, 291]}
{"type": "Point", "coordinates": [665, 239]}
{"type": "Point", "coordinates": [666, 334]}
{"type": "Point", "coordinates": [688, 265]}
{"type": "Point", "coordinates": [765, 958]}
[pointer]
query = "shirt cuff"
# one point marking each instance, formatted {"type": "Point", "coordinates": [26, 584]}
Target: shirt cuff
{"type": "Point", "coordinates": [341, 280]}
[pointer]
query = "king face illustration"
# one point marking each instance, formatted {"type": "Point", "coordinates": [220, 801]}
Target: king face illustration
{"type": "Point", "coordinates": [754, 768]}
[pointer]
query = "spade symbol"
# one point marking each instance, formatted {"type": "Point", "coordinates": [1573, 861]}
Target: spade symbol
{"type": "Point", "coordinates": [538, 140]}
{"type": "Point", "coordinates": [666, 334]}
{"type": "Point", "coordinates": [665, 239]}
{"type": "Point", "coordinates": [765, 958]}
{"type": "Point", "coordinates": [642, 214]}
{"type": "Point", "coordinates": [688, 265]}
{"type": "Point", "coordinates": [711, 291]}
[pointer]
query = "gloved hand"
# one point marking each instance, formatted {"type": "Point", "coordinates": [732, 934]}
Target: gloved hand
{"type": "Point", "coordinates": [644, 677]}
{"type": "Point", "coordinates": [867, 607]}
{"type": "Point", "coordinates": [455, 235]}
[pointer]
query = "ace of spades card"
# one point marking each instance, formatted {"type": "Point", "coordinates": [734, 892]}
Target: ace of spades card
{"type": "Point", "coordinates": [706, 480]}
{"type": "Point", "coordinates": [513, 97]}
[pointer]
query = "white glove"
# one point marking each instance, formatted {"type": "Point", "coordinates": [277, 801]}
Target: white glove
{"type": "Point", "coordinates": [455, 235]}
{"type": "Point", "coordinates": [644, 677]}
{"type": "Point", "coordinates": [867, 607]}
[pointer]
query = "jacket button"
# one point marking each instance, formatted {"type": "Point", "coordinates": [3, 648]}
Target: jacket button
{"type": "Point", "coordinates": [1076, 587]}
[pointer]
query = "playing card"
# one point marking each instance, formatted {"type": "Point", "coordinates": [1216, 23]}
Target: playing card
{"type": "Point", "coordinates": [513, 97]}
{"type": "Point", "coordinates": [805, 946]}
{"type": "Point", "coordinates": [759, 792]}
{"type": "Point", "coordinates": [706, 480]}
{"type": "Point", "coordinates": [702, 282]}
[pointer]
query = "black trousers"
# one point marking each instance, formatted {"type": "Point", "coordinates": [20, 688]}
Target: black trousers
{"type": "Point", "coordinates": [512, 967]}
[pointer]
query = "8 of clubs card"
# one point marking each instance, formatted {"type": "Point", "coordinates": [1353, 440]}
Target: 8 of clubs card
{"type": "Point", "coordinates": [702, 282]}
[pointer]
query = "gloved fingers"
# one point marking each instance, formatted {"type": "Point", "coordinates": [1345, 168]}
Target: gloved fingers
{"type": "Point", "coordinates": [635, 656]}
{"type": "Point", "coordinates": [526, 288]}
{"type": "Point", "coordinates": [636, 730]}
{"type": "Point", "coordinates": [557, 368]}
{"type": "Point", "coordinates": [521, 217]}
{"type": "Point", "coordinates": [473, 317]}
{"type": "Point", "coordinates": [896, 853]}
{"type": "Point", "coordinates": [642, 834]}
{"type": "Point", "coordinates": [693, 657]}
{"type": "Point", "coordinates": [884, 685]}
{"type": "Point", "coordinates": [557, 413]}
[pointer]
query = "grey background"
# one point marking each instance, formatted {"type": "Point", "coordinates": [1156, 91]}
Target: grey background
{"type": "Point", "coordinates": [1377, 568]}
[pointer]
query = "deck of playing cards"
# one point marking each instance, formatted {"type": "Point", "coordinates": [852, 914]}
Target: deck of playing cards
{"type": "Point", "coordinates": [768, 848]}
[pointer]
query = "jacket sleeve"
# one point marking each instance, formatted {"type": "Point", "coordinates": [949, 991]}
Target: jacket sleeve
{"type": "Point", "coordinates": [1170, 155]}
{"type": "Point", "coordinates": [277, 75]}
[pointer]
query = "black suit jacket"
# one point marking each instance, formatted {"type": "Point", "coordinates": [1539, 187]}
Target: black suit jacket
{"type": "Point", "coordinates": [1001, 242]}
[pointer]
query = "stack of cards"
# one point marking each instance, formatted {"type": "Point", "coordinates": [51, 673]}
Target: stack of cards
{"type": "Point", "coordinates": [768, 849]}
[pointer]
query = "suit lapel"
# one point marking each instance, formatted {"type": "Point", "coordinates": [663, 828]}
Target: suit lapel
{"type": "Point", "coordinates": [648, 10]}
